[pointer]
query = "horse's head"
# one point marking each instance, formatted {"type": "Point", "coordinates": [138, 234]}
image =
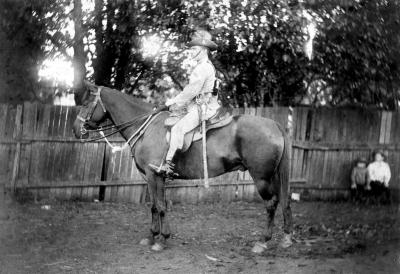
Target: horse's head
{"type": "Point", "coordinates": [91, 114]}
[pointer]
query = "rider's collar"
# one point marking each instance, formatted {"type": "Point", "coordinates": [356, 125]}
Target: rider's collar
{"type": "Point", "coordinates": [202, 60]}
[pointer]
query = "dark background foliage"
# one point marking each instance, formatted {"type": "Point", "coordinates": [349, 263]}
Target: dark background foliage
{"type": "Point", "coordinates": [261, 58]}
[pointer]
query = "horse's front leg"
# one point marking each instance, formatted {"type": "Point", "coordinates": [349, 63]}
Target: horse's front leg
{"type": "Point", "coordinates": [155, 216]}
{"type": "Point", "coordinates": [160, 230]}
{"type": "Point", "coordinates": [161, 204]}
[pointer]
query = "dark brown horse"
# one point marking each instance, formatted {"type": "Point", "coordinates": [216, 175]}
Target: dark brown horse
{"type": "Point", "coordinates": [251, 143]}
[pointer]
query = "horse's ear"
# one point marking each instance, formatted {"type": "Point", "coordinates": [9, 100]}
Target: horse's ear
{"type": "Point", "coordinates": [81, 96]}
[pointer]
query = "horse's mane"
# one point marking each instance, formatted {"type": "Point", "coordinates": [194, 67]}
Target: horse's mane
{"type": "Point", "coordinates": [137, 103]}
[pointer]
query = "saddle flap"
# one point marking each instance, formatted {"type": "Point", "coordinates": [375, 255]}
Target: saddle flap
{"type": "Point", "coordinates": [222, 118]}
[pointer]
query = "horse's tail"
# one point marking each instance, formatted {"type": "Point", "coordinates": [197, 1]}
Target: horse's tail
{"type": "Point", "coordinates": [283, 175]}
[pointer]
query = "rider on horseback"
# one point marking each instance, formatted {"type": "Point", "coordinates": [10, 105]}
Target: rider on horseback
{"type": "Point", "coordinates": [197, 92]}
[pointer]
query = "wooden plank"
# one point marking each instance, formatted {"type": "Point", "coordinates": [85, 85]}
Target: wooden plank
{"type": "Point", "coordinates": [16, 134]}
{"type": "Point", "coordinates": [123, 164]}
{"type": "Point", "coordinates": [114, 191]}
{"type": "Point", "coordinates": [82, 162]}
{"type": "Point", "coordinates": [382, 131]}
{"type": "Point", "coordinates": [3, 119]}
{"type": "Point", "coordinates": [107, 194]}
{"type": "Point", "coordinates": [120, 193]}
{"type": "Point", "coordinates": [29, 123]}
{"type": "Point", "coordinates": [324, 168]}
{"type": "Point", "coordinates": [395, 127]}
{"type": "Point", "coordinates": [259, 111]}
{"type": "Point", "coordinates": [57, 122]}
{"type": "Point", "coordinates": [295, 160]}
{"type": "Point", "coordinates": [94, 164]}
{"type": "Point", "coordinates": [304, 164]}
{"type": "Point", "coordinates": [64, 122]}
{"type": "Point", "coordinates": [52, 122]}
{"type": "Point", "coordinates": [251, 111]}
{"type": "Point", "coordinates": [296, 125]}
{"type": "Point", "coordinates": [39, 120]}
{"type": "Point", "coordinates": [90, 157]}
{"type": "Point", "coordinates": [10, 123]}
{"type": "Point", "coordinates": [23, 174]}
{"type": "Point", "coordinates": [388, 128]}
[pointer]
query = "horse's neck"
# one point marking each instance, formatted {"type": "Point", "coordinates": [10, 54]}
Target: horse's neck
{"type": "Point", "coordinates": [123, 110]}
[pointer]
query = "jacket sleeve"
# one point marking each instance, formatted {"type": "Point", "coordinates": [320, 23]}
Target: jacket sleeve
{"type": "Point", "coordinates": [369, 176]}
{"type": "Point", "coordinates": [196, 82]}
{"type": "Point", "coordinates": [353, 177]}
{"type": "Point", "coordinates": [388, 175]}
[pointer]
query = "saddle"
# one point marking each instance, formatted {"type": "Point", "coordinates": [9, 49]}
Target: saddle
{"type": "Point", "coordinates": [222, 118]}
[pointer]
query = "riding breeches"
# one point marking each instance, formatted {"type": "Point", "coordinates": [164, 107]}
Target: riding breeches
{"type": "Point", "coordinates": [189, 122]}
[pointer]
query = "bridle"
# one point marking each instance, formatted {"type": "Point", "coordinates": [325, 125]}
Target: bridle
{"type": "Point", "coordinates": [91, 108]}
{"type": "Point", "coordinates": [117, 128]}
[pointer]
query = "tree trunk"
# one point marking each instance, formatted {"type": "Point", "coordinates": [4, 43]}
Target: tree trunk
{"type": "Point", "coordinates": [106, 56]}
{"type": "Point", "coordinates": [126, 30]}
{"type": "Point", "coordinates": [79, 52]}
{"type": "Point", "coordinates": [99, 16]}
{"type": "Point", "coordinates": [121, 66]}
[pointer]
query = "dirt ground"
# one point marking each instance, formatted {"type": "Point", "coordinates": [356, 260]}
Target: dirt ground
{"type": "Point", "coordinates": [79, 237]}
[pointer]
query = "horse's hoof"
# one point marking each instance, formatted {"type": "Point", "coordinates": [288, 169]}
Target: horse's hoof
{"type": "Point", "coordinates": [259, 248]}
{"type": "Point", "coordinates": [286, 241]}
{"type": "Point", "coordinates": [157, 247]}
{"type": "Point", "coordinates": [146, 241]}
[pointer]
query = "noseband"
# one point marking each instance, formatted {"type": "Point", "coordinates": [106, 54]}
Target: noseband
{"type": "Point", "coordinates": [91, 109]}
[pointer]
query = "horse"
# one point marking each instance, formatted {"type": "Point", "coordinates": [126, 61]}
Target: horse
{"type": "Point", "coordinates": [252, 143]}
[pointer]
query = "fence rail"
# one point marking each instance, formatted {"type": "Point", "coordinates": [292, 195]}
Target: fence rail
{"type": "Point", "coordinates": [39, 153]}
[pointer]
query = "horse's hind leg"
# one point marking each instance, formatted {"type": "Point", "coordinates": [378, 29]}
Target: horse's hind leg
{"type": "Point", "coordinates": [271, 197]}
{"type": "Point", "coordinates": [287, 222]}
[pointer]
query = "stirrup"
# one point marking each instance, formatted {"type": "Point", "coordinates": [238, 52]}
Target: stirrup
{"type": "Point", "coordinates": [166, 169]}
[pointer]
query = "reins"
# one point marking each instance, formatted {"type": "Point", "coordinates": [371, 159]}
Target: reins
{"type": "Point", "coordinates": [138, 133]}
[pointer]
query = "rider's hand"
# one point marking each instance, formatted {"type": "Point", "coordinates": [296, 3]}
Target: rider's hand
{"type": "Point", "coordinates": [169, 102]}
{"type": "Point", "coordinates": [161, 108]}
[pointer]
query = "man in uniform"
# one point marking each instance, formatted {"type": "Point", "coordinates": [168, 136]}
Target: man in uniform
{"type": "Point", "coordinates": [197, 92]}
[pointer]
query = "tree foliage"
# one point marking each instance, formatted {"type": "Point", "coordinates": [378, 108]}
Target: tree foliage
{"type": "Point", "coordinates": [261, 54]}
{"type": "Point", "coordinates": [22, 35]}
{"type": "Point", "coordinates": [357, 53]}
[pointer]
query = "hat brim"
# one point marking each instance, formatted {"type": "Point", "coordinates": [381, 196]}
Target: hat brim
{"type": "Point", "coordinates": [204, 43]}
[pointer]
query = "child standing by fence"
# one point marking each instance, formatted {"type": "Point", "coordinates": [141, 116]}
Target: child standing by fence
{"type": "Point", "coordinates": [359, 179]}
{"type": "Point", "coordinates": [378, 179]}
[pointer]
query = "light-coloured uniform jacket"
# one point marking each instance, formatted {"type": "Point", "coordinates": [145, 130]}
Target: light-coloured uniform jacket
{"type": "Point", "coordinates": [201, 81]}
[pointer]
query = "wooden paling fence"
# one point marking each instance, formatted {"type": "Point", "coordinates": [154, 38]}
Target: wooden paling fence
{"type": "Point", "coordinates": [39, 154]}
